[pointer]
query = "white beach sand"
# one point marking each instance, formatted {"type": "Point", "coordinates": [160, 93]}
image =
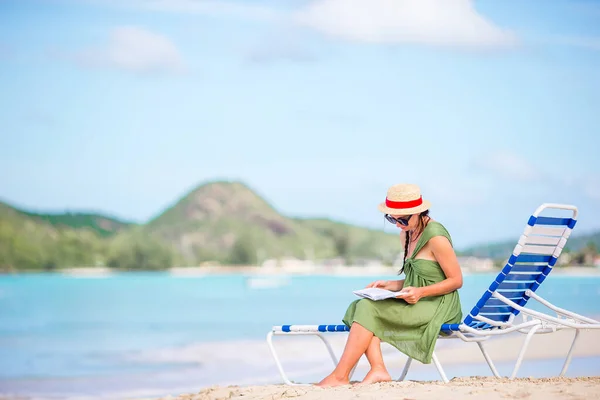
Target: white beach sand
{"type": "Point", "coordinates": [473, 387]}
{"type": "Point", "coordinates": [451, 352]}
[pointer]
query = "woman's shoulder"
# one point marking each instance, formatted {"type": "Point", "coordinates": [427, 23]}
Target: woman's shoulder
{"type": "Point", "coordinates": [435, 228]}
{"type": "Point", "coordinates": [434, 223]}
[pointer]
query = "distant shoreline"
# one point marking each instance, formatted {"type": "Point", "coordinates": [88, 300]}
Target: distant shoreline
{"type": "Point", "coordinates": [302, 270]}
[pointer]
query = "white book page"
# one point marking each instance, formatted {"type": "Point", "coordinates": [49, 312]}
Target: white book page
{"type": "Point", "coordinates": [377, 293]}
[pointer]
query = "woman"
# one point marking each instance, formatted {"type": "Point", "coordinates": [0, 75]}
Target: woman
{"type": "Point", "coordinates": [412, 322]}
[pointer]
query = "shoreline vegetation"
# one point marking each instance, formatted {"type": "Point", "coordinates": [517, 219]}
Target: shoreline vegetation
{"type": "Point", "coordinates": [221, 225]}
{"type": "Point", "coordinates": [341, 270]}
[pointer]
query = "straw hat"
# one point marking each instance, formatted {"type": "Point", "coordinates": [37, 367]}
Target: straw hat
{"type": "Point", "coordinates": [404, 199]}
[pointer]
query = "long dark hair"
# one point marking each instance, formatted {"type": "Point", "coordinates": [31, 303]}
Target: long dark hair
{"type": "Point", "coordinates": [409, 238]}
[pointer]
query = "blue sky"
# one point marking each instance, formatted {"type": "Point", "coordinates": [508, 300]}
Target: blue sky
{"type": "Point", "coordinates": [125, 106]}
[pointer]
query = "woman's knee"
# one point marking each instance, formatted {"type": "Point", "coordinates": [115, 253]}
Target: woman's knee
{"type": "Point", "coordinates": [364, 305]}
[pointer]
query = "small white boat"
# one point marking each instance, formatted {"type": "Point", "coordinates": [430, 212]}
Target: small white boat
{"type": "Point", "coordinates": [266, 282]}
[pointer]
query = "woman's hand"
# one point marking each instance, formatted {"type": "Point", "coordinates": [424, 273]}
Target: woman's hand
{"type": "Point", "coordinates": [379, 284]}
{"type": "Point", "coordinates": [394, 286]}
{"type": "Point", "coordinates": [411, 294]}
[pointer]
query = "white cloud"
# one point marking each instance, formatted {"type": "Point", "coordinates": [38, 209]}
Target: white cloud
{"type": "Point", "coordinates": [433, 22]}
{"type": "Point", "coordinates": [135, 49]}
{"type": "Point", "coordinates": [508, 165]}
{"type": "Point", "coordinates": [205, 7]}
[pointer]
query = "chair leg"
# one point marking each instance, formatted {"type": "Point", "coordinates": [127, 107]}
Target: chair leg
{"type": "Point", "coordinates": [439, 368]}
{"type": "Point", "coordinates": [488, 359]}
{"type": "Point", "coordinates": [332, 354]}
{"type": "Point", "coordinates": [277, 362]}
{"type": "Point", "coordinates": [523, 349]}
{"type": "Point", "coordinates": [568, 359]}
{"type": "Point", "coordinates": [405, 369]}
{"type": "Point", "coordinates": [329, 349]}
{"type": "Point", "coordinates": [280, 366]}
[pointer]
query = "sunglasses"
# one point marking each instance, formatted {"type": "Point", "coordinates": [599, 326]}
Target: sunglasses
{"type": "Point", "coordinates": [401, 221]}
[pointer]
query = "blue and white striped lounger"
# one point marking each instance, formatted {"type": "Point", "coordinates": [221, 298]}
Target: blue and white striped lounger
{"type": "Point", "coordinates": [532, 260]}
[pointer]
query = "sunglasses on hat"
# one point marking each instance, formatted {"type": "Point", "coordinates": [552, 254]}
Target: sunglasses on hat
{"type": "Point", "coordinates": [401, 221]}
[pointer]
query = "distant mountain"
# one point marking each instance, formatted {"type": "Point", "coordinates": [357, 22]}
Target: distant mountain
{"type": "Point", "coordinates": [223, 222]}
{"type": "Point", "coordinates": [503, 249]}
{"type": "Point", "coordinates": [230, 223]}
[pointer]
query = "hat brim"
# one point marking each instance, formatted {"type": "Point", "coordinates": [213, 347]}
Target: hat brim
{"type": "Point", "coordinates": [404, 211]}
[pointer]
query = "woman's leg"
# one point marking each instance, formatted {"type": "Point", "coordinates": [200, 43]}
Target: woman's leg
{"type": "Point", "coordinates": [378, 372]}
{"type": "Point", "coordinates": [359, 339]}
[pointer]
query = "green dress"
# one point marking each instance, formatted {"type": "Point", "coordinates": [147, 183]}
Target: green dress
{"type": "Point", "coordinates": [411, 328]}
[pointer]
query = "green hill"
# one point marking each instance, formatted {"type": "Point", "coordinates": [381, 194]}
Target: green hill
{"type": "Point", "coordinates": [31, 243]}
{"type": "Point", "coordinates": [230, 223]}
{"type": "Point", "coordinates": [224, 222]}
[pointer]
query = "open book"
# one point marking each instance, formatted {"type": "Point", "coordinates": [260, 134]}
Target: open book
{"type": "Point", "coordinates": [377, 294]}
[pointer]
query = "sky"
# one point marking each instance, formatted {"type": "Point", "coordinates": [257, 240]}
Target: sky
{"type": "Point", "coordinates": [124, 106]}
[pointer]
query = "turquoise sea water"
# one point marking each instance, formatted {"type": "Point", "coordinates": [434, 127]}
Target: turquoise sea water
{"type": "Point", "coordinates": [141, 334]}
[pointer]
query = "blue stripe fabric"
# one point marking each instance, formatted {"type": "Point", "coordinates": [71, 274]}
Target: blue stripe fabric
{"type": "Point", "coordinates": [497, 309]}
{"type": "Point", "coordinates": [554, 221]}
{"type": "Point", "coordinates": [333, 328]}
{"type": "Point", "coordinates": [521, 277]}
{"type": "Point", "coordinates": [450, 327]}
{"type": "Point", "coordinates": [494, 285]}
{"type": "Point", "coordinates": [514, 285]}
{"type": "Point", "coordinates": [512, 294]}
{"type": "Point", "coordinates": [533, 258]}
{"type": "Point", "coordinates": [497, 302]}
{"type": "Point", "coordinates": [528, 268]}
{"type": "Point", "coordinates": [481, 325]}
{"type": "Point", "coordinates": [337, 328]}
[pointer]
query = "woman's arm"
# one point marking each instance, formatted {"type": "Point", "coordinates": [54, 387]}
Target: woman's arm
{"type": "Point", "coordinates": [444, 254]}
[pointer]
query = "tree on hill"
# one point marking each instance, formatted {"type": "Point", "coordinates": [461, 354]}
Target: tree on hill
{"type": "Point", "coordinates": [243, 251]}
{"type": "Point", "coordinates": [138, 251]}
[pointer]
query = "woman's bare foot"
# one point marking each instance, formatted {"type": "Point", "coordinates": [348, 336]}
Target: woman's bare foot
{"type": "Point", "coordinates": [331, 381]}
{"type": "Point", "coordinates": [376, 375]}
